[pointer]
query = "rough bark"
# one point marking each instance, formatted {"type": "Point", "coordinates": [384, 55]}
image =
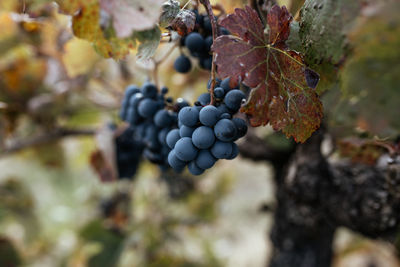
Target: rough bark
{"type": "Point", "coordinates": [315, 196]}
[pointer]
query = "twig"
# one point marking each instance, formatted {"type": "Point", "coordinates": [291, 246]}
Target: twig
{"type": "Point", "coordinates": [215, 33]}
{"type": "Point", "coordinates": [44, 139]}
{"type": "Point", "coordinates": [257, 149]}
{"type": "Point", "coordinates": [167, 54]}
{"type": "Point", "coordinates": [161, 60]}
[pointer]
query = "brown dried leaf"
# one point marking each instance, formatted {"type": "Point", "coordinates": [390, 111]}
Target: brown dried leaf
{"type": "Point", "coordinates": [184, 22]}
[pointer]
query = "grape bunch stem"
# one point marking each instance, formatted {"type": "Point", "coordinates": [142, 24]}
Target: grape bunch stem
{"type": "Point", "coordinates": [214, 27]}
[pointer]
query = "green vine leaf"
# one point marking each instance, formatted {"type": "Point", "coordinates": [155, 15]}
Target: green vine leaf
{"type": "Point", "coordinates": [283, 87]}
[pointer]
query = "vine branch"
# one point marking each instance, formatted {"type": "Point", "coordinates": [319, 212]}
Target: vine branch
{"type": "Point", "coordinates": [55, 135]}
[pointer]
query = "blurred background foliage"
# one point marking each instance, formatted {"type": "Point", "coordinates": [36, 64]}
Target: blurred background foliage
{"type": "Point", "coordinates": [59, 96]}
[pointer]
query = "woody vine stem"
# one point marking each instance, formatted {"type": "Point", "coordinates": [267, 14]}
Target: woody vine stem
{"type": "Point", "coordinates": [214, 27]}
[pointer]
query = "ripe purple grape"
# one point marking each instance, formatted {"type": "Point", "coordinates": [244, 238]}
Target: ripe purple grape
{"type": "Point", "coordinates": [172, 137]}
{"type": "Point", "coordinates": [225, 130]}
{"type": "Point", "coordinates": [203, 137]}
{"type": "Point", "coordinates": [205, 159]}
{"type": "Point", "coordinates": [221, 150]}
{"type": "Point", "coordinates": [185, 150]}
{"type": "Point", "coordinates": [188, 116]}
{"type": "Point", "coordinates": [209, 115]}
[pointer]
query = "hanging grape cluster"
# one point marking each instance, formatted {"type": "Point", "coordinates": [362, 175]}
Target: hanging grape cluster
{"type": "Point", "coordinates": [151, 116]}
{"type": "Point", "coordinates": [207, 132]}
{"type": "Point", "coordinates": [199, 44]}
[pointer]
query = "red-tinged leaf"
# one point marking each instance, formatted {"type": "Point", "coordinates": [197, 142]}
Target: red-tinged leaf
{"type": "Point", "coordinates": [103, 160]}
{"type": "Point", "coordinates": [102, 167]}
{"type": "Point", "coordinates": [282, 85]}
{"type": "Point", "coordinates": [279, 25]}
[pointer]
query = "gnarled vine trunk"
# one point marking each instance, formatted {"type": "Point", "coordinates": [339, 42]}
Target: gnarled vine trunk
{"type": "Point", "coordinates": [315, 197]}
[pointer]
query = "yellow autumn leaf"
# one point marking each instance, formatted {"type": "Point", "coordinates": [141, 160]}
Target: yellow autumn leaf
{"type": "Point", "coordinates": [79, 57]}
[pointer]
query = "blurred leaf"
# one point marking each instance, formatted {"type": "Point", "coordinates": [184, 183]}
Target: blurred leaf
{"type": "Point", "coordinates": [149, 41]}
{"type": "Point", "coordinates": [51, 155]}
{"type": "Point", "coordinates": [85, 25]}
{"type": "Point", "coordinates": [79, 57]}
{"type": "Point", "coordinates": [132, 15]}
{"type": "Point", "coordinates": [103, 160]}
{"type": "Point", "coordinates": [91, 21]}
{"type": "Point", "coordinates": [170, 9]}
{"type": "Point", "coordinates": [8, 254]}
{"type": "Point", "coordinates": [370, 77]}
{"type": "Point", "coordinates": [361, 150]}
{"type": "Point", "coordinates": [17, 202]}
{"type": "Point", "coordinates": [323, 28]}
{"type": "Point", "coordinates": [110, 241]}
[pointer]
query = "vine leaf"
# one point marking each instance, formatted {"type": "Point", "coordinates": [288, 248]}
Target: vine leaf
{"type": "Point", "coordinates": [184, 22]}
{"type": "Point", "coordinates": [132, 15]}
{"type": "Point", "coordinates": [94, 24]}
{"type": "Point", "coordinates": [283, 87]}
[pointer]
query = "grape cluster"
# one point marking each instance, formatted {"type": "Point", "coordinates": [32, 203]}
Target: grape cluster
{"type": "Point", "coordinates": [207, 132]}
{"type": "Point", "coordinates": [128, 152]}
{"type": "Point", "coordinates": [144, 109]}
{"type": "Point", "coordinates": [199, 44]}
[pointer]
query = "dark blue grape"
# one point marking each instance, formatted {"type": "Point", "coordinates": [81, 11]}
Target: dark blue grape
{"type": "Point", "coordinates": [140, 131]}
{"type": "Point", "coordinates": [151, 137]}
{"type": "Point", "coordinates": [182, 64]}
{"type": "Point", "coordinates": [233, 99]}
{"type": "Point", "coordinates": [172, 137]}
{"type": "Point", "coordinates": [203, 137]}
{"type": "Point", "coordinates": [207, 24]}
{"type": "Point", "coordinates": [241, 127]}
{"type": "Point", "coordinates": [235, 152]}
{"type": "Point", "coordinates": [164, 90]}
{"type": "Point", "coordinates": [223, 109]}
{"type": "Point", "coordinates": [162, 118]}
{"type": "Point", "coordinates": [131, 90]}
{"type": "Point", "coordinates": [209, 42]}
{"type": "Point", "coordinates": [162, 136]}
{"type": "Point", "coordinates": [135, 99]}
{"type": "Point", "coordinates": [225, 130]}
{"type": "Point", "coordinates": [219, 93]}
{"type": "Point", "coordinates": [185, 150]}
{"type": "Point", "coordinates": [149, 90]}
{"type": "Point", "coordinates": [217, 83]}
{"type": "Point", "coordinates": [225, 116]}
{"type": "Point", "coordinates": [206, 62]}
{"type": "Point", "coordinates": [186, 131]}
{"type": "Point", "coordinates": [221, 150]}
{"type": "Point", "coordinates": [204, 99]}
{"type": "Point", "coordinates": [195, 42]}
{"type": "Point", "coordinates": [205, 159]}
{"type": "Point", "coordinates": [225, 85]}
{"type": "Point", "coordinates": [194, 169]}
{"type": "Point", "coordinates": [199, 18]}
{"type": "Point", "coordinates": [209, 115]}
{"type": "Point", "coordinates": [132, 116]}
{"type": "Point", "coordinates": [181, 103]}
{"type": "Point", "coordinates": [189, 116]}
{"type": "Point", "coordinates": [147, 108]}
{"type": "Point", "coordinates": [176, 164]}
{"type": "Point", "coordinates": [153, 157]}
{"type": "Point", "coordinates": [224, 31]}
